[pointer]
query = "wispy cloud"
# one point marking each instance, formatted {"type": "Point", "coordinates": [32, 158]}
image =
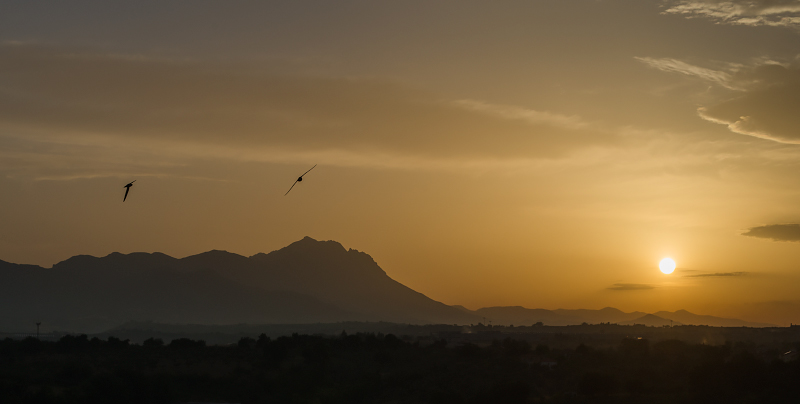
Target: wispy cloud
{"type": "Point", "coordinates": [630, 286]}
{"type": "Point", "coordinates": [677, 66]}
{"type": "Point", "coordinates": [777, 13]}
{"type": "Point", "coordinates": [523, 114]}
{"type": "Point", "coordinates": [775, 232]}
{"type": "Point", "coordinates": [764, 102]}
{"type": "Point", "coordinates": [767, 107]}
{"type": "Point", "coordinates": [716, 274]}
{"type": "Point", "coordinates": [744, 125]}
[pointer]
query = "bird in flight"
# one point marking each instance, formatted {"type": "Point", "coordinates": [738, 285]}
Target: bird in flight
{"type": "Point", "coordinates": [299, 179]}
{"type": "Point", "coordinates": [127, 188]}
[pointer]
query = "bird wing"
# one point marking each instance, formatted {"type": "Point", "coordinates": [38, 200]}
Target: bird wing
{"type": "Point", "coordinates": [126, 193]}
{"type": "Point", "coordinates": [308, 170]}
{"type": "Point", "coordinates": [287, 192]}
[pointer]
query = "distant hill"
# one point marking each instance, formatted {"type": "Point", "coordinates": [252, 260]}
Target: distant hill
{"type": "Point", "coordinates": [93, 294]}
{"type": "Point", "coordinates": [604, 315]}
{"type": "Point", "coordinates": [651, 320]}
{"type": "Point", "coordinates": [520, 316]}
{"type": "Point", "coordinates": [308, 281]}
{"type": "Point", "coordinates": [696, 319]}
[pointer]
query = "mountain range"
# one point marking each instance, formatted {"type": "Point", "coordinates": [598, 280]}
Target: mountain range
{"type": "Point", "coordinates": [308, 281]}
{"type": "Point", "coordinates": [517, 315]}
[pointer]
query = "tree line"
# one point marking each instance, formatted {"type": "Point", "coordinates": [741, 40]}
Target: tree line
{"type": "Point", "coordinates": [378, 368]}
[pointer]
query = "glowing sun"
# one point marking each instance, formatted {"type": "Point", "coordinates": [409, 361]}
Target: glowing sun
{"type": "Point", "coordinates": [667, 265]}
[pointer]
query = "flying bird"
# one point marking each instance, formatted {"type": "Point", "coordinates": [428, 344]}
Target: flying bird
{"type": "Point", "coordinates": [299, 179]}
{"type": "Point", "coordinates": [127, 188]}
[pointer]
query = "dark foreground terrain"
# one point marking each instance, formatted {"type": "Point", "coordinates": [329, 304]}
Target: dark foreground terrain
{"type": "Point", "coordinates": [378, 368]}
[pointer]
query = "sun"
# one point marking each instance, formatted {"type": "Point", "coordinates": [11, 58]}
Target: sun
{"type": "Point", "coordinates": [667, 265]}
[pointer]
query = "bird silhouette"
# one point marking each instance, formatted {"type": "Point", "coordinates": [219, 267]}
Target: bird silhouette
{"type": "Point", "coordinates": [299, 179]}
{"type": "Point", "coordinates": [127, 188]}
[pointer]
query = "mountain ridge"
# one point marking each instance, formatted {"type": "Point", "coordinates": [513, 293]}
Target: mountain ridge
{"type": "Point", "coordinates": [518, 315]}
{"type": "Point", "coordinates": [305, 281]}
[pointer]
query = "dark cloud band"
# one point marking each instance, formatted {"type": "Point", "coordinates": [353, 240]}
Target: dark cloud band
{"type": "Point", "coordinates": [775, 232]}
{"type": "Point", "coordinates": [716, 274]}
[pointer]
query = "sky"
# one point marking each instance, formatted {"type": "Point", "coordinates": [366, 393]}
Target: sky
{"type": "Point", "coordinates": [545, 154]}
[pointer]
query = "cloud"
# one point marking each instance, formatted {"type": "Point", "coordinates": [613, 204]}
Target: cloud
{"type": "Point", "coordinates": [775, 232]}
{"type": "Point", "coordinates": [777, 13]}
{"type": "Point", "coordinates": [764, 101]}
{"type": "Point", "coordinates": [677, 66]}
{"type": "Point", "coordinates": [767, 109]}
{"type": "Point", "coordinates": [716, 274]}
{"type": "Point", "coordinates": [256, 112]}
{"type": "Point", "coordinates": [630, 286]}
{"type": "Point", "coordinates": [528, 115]}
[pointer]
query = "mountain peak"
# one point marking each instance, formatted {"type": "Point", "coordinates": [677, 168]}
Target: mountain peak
{"type": "Point", "coordinates": [213, 258]}
{"type": "Point", "coordinates": [307, 246]}
{"type": "Point", "coordinates": [116, 260]}
{"type": "Point", "coordinates": [308, 242]}
{"type": "Point", "coordinates": [324, 254]}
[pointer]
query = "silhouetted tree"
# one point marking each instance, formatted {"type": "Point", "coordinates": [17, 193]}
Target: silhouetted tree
{"type": "Point", "coordinates": [246, 343]}
{"type": "Point", "coordinates": [153, 342]}
{"type": "Point", "coordinates": [31, 345]}
{"type": "Point", "coordinates": [262, 341]}
{"type": "Point", "coordinates": [116, 343]}
{"type": "Point", "coordinates": [634, 347]}
{"type": "Point", "coordinates": [71, 343]}
{"type": "Point", "coordinates": [186, 343]}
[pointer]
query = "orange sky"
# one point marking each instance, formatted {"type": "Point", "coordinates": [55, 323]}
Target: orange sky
{"type": "Point", "coordinates": [545, 154]}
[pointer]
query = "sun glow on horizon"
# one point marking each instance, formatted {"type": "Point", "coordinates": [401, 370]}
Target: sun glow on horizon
{"type": "Point", "coordinates": [667, 265]}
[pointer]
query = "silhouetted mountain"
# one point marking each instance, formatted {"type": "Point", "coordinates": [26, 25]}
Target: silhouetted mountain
{"type": "Point", "coordinates": [117, 262]}
{"type": "Point", "coordinates": [92, 294]}
{"type": "Point", "coordinates": [353, 281]}
{"type": "Point", "coordinates": [651, 320]}
{"type": "Point", "coordinates": [306, 282]}
{"type": "Point", "coordinates": [518, 315]}
{"type": "Point", "coordinates": [604, 315]}
{"type": "Point", "coordinates": [9, 266]}
{"type": "Point", "coordinates": [688, 318]}
{"type": "Point", "coordinates": [462, 308]}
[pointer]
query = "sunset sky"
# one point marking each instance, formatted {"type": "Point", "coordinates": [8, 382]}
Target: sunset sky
{"type": "Point", "coordinates": [542, 153]}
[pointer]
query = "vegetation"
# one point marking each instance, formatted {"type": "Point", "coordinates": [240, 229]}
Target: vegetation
{"type": "Point", "coordinates": [377, 368]}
